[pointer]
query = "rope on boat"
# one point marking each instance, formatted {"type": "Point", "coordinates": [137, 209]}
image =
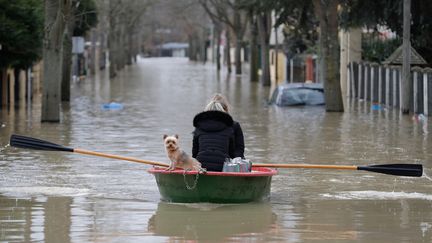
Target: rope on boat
{"type": "Point", "coordinates": [194, 183]}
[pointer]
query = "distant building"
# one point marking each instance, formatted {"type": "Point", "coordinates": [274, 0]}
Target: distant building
{"type": "Point", "coordinates": [173, 49]}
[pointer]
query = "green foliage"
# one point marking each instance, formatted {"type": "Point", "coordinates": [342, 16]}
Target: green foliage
{"type": "Point", "coordinates": [368, 13]}
{"type": "Point", "coordinates": [390, 13]}
{"type": "Point", "coordinates": [301, 25]}
{"type": "Point", "coordinates": [297, 16]}
{"type": "Point", "coordinates": [85, 16]}
{"type": "Point", "coordinates": [301, 21]}
{"type": "Point", "coordinates": [21, 29]}
{"type": "Point", "coordinates": [377, 50]}
{"type": "Point", "coordinates": [285, 10]}
{"type": "Point", "coordinates": [21, 32]}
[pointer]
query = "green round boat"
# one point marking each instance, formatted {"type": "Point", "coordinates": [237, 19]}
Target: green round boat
{"type": "Point", "coordinates": [214, 187]}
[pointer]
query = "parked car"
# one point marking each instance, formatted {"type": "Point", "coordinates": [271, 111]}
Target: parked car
{"type": "Point", "coordinates": [290, 94]}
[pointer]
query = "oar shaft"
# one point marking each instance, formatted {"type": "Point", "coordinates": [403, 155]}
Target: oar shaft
{"type": "Point", "coordinates": [415, 170]}
{"type": "Point", "coordinates": [308, 166]}
{"type": "Point", "coordinates": [112, 156]}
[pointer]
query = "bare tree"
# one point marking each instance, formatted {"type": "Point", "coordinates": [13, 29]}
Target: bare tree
{"type": "Point", "coordinates": [264, 29]}
{"type": "Point", "coordinates": [253, 49]}
{"type": "Point", "coordinates": [123, 22]}
{"type": "Point", "coordinates": [235, 19]}
{"type": "Point", "coordinates": [53, 57]}
{"type": "Point", "coordinates": [67, 59]}
{"type": "Point", "coordinates": [178, 21]}
{"type": "Point", "coordinates": [196, 25]}
{"type": "Point", "coordinates": [69, 18]}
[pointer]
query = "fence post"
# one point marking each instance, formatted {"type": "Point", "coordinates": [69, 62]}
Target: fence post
{"type": "Point", "coordinates": [348, 81]}
{"type": "Point", "coordinates": [366, 80]}
{"type": "Point", "coordinates": [372, 82]}
{"type": "Point", "coordinates": [292, 70]}
{"type": "Point", "coordinates": [352, 81]}
{"type": "Point", "coordinates": [380, 85]}
{"type": "Point", "coordinates": [399, 89]}
{"type": "Point", "coordinates": [387, 85]}
{"type": "Point", "coordinates": [415, 91]}
{"type": "Point", "coordinates": [359, 81]}
{"type": "Point", "coordinates": [425, 94]}
{"type": "Point", "coordinates": [394, 87]}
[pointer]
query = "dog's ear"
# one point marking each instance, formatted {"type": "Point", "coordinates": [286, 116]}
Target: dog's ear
{"type": "Point", "coordinates": [165, 136]}
{"type": "Point", "coordinates": [176, 136]}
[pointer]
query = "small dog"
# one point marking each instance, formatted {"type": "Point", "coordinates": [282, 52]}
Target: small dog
{"type": "Point", "coordinates": [178, 157]}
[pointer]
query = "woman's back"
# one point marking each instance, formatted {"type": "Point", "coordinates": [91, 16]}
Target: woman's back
{"type": "Point", "coordinates": [213, 140]}
{"type": "Point", "coordinates": [216, 136]}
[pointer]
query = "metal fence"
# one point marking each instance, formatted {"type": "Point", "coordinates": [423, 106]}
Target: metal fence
{"type": "Point", "coordinates": [382, 85]}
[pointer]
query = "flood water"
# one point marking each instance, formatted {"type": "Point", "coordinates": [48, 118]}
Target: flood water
{"type": "Point", "coordinates": [67, 197]}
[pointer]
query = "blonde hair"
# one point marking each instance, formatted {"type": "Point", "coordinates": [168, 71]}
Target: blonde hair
{"type": "Point", "coordinates": [218, 103]}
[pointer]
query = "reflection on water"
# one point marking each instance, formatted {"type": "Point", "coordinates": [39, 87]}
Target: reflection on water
{"type": "Point", "coordinates": [67, 197]}
{"type": "Point", "coordinates": [211, 222]}
{"type": "Point", "coordinates": [35, 219]}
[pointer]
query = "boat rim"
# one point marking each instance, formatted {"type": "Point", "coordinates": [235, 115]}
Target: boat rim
{"type": "Point", "coordinates": [256, 171]}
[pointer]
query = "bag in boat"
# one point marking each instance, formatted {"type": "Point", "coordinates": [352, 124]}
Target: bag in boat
{"type": "Point", "coordinates": [237, 165]}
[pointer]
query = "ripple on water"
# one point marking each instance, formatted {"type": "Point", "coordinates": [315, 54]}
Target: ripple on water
{"type": "Point", "coordinates": [43, 190]}
{"type": "Point", "coordinates": [377, 195]}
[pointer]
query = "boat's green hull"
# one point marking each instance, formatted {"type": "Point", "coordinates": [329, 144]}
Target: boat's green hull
{"type": "Point", "coordinates": [214, 187]}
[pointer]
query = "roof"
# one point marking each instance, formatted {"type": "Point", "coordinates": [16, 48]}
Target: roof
{"type": "Point", "coordinates": [397, 57]}
{"type": "Point", "coordinates": [174, 45]}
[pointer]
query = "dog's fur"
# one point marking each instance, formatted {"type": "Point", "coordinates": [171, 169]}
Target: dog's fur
{"type": "Point", "coordinates": [178, 157]}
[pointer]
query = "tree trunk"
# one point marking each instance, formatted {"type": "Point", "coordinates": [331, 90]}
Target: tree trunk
{"type": "Point", "coordinates": [3, 87]}
{"type": "Point", "coordinates": [112, 45]}
{"type": "Point", "coordinates": [329, 49]}
{"type": "Point", "coordinates": [129, 48]}
{"type": "Point", "coordinates": [264, 28]}
{"type": "Point", "coordinates": [52, 56]}
{"type": "Point", "coordinates": [193, 48]}
{"type": "Point", "coordinates": [92, 64]}
{"type": "Point", "coordinates": [228, 50]}
{"type": "Point", "coordinates": [203, 45]}
{"type": "Point", "coordinates": [276, 56]}
{"type": "Point", "coordinates": [114, 37]}
{"type": "Point", "coordinates": [112, 56]}
{"type": "Point", "coordinates": [238, 38]}
{"type": "Point", "coordinates": [122, 44]}
{"type": "Point", "coordinates": [238, 63]}
{"type": "Point", "coordinates": [406, 89]}
{"type": "Point", "coordinates": [67, 61]}
{"type": "Point", "coordinates": [254, 52]}
{"type": "Point", "coordinates": [135, 49]}
{"type": "Point", "coordinates": [218, 54]}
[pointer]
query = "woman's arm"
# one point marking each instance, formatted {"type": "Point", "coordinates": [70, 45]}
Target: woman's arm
{"type": "Point", "coordinates": [239, 140]}
{"type": "Point", "coordinates": [195, 145]}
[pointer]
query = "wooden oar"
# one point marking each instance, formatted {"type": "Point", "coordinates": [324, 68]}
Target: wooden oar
{"type": "Point", "coordinates": [38, 144]}
{"type": "Point", "coordinates": [415, 170]}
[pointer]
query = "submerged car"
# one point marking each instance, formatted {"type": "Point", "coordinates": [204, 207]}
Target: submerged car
{"type": "Point", "coordinates": [291, 94]}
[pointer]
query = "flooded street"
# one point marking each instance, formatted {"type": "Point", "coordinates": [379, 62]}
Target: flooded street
{"type": "Point", "coordinates": [66, 197]}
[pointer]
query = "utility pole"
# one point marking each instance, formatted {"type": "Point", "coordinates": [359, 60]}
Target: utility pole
{"type": "Point", "coordinates": [406, 64]}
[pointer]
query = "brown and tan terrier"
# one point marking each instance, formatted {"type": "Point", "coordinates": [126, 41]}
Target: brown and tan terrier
{"type": "Point", "coordinates": [178, 157]}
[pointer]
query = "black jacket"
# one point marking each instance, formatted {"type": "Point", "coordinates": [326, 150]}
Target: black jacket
{"type": "Point", "coordinates": [215, 139]}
